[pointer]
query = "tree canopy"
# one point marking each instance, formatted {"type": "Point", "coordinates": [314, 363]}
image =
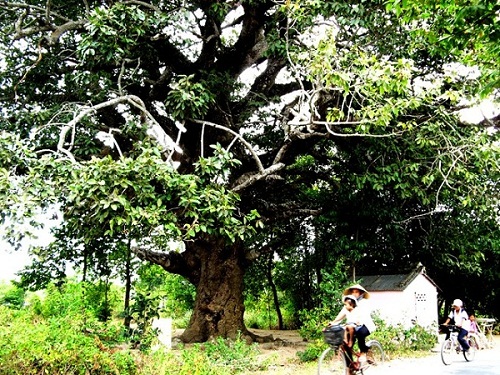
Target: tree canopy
{"type": "Point", "coordinates": [228, 126]}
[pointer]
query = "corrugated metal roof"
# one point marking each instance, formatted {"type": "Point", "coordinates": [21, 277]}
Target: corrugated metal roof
{"type": "Point", "coordinates": [397, 282]}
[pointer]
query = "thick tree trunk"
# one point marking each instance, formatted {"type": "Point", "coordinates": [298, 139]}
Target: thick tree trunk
{"type": "Point", "coordinates": [216, 268]}
{"type": "Point", "coordinates": [219, 307]}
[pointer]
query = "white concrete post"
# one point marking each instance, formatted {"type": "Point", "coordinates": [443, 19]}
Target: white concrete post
{"type": "Point", "coordinates": [164, 326]}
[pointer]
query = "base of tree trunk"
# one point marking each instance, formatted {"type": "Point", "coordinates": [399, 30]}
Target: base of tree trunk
{"type": "Point", "coordinates": [189, 336]}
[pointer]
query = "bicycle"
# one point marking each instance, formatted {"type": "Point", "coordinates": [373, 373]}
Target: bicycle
{"type": "Point", "coordinates": [484, 336]}
{"type": "Point", "coordinates": [339, 358]}
{"type": "Point", "coordinates": [452, 346]}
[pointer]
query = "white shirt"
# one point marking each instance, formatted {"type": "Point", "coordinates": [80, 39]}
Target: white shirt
{"type": "Point", "coordinates": [361, 314]}
{"type": "Point", "coordinates": [461, 318]}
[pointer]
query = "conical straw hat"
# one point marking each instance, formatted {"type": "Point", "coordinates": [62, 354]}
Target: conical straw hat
{"type": "Point", "coordinates": [365, 293]}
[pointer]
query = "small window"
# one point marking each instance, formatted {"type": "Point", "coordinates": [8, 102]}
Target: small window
{"type": "Point", "coordinates": [420, 297]}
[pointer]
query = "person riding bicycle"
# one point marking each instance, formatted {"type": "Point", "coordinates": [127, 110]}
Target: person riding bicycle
{"type": "Point", "coordinates": [461, 320]}
{"type": "Point", "coordinates": [364, 322]}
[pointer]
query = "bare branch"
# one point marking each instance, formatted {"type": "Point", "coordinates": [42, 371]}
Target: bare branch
{"type": "Point", "coordinates": [297, 212]}
{"type": "Point", "coordinates": [131, 99]}
{"type": "Point", "coordinates": [247, 145]}
{"type": "Point", "coordinates": [68, 26]}
{"type": "Point", "coordinates": [328, 124]}
{"type": "Point", "coordinates": [250, 179]}
{"type": "Point", "coordinates": [407, 220]}
{"type": "Point", "coordinates": [144, 4]}
{"type": "Point", "coordinates": [35, 8]}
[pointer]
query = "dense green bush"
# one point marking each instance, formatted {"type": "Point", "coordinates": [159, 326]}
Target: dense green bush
{"type": "Point", "coordinates": [216, 357]}
{"type": "Point", "coordinates": [398, 340]}
{"type": "Point", "coordinates": [12, 296]}
{"type": "Point", "coordinates": [236, 355]}
{"type": "Point", "coordinates": [31, 344]}
{"type": "Point", "coordinates": [312, 351]}
{"type": "Point", "coordinates": [58, 332]}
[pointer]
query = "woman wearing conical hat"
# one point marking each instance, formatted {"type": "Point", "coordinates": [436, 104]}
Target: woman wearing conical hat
{"type": "Point", "coordinates": [364, 323]}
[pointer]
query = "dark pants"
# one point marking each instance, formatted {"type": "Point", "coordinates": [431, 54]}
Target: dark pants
{"type": "Point", "coordinates": [461, 339]}
{"type": "Point", "coordinates": [361, 334]}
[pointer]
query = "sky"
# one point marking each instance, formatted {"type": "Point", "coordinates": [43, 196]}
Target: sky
{"type": "Point", "coordinates": [11, 261]}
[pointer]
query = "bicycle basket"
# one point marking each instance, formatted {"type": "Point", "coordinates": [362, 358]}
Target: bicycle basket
{"type": "Point", "coordinates": [334, 335]}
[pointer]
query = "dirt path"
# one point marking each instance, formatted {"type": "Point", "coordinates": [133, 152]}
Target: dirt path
{"type": "Point", "coordinates": [282, 354]}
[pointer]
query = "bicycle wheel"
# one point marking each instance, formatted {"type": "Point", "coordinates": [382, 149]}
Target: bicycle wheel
{"type": "Point", "coordinates": [471, 353]}
{"type": "Point", "coordinates": [331, 363]}
{"type": "Point", "coordinates": [447, 351]}
{"type": "Point", "coordinates": [476, 341]}
{"type": "Point", "coordinates": [375, 355]}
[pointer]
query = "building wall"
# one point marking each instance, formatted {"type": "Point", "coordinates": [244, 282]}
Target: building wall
{"type": "Point", "coordinates": [416, 304]}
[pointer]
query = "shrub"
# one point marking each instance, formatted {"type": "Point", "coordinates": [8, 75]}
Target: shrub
{"type": "Point", "coordinates": [218, 357]}
{"type": "Point", "coordinates": [397, 340]}
{"type": "Point", "coordinates": [30, 344]}
{"type": "Point", "coordinates": [312, 351]}
{"type": "Point", "coordinates": [233, 354]}
{"type": "Point", "coordinates": [12, 296]}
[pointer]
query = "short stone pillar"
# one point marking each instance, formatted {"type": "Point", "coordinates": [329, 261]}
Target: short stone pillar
{"type": "Point", "coordinates": [164, 326]}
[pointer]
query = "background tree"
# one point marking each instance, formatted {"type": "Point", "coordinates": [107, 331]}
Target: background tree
{"type": "Point", "coordinates": [188, 120]}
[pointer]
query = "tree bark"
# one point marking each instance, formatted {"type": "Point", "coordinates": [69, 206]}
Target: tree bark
{"type": "Point", "coordinates": [274, 290]}
{"type": "Point", "coordinates": [219, 308]}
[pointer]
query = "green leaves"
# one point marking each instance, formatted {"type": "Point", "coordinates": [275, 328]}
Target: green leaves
{"type": "Point", "coordinates": [114, 33]}
{"type": "Point", "coordinates": [188, 99]}
{"type": "Point", "coordinates": [465, 29]}
{"type": "Point", "coordinates": [146, 197]}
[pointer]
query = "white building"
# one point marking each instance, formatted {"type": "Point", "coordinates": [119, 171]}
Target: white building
{"type": "Point", "coordinates": [404, 299]}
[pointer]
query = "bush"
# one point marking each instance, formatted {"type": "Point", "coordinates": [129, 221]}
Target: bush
{"type": "Point", "coordinates": [236, 355]}
{"type": "Point", "coordinates": [313, 351]}
{"type": "Point", "coordinates": [57, 345]}
{"type": "Point", "coordinates": [76, 344]}
{"type": "Point", "coordinates": [397, 340]}
{"type": "Point", "coordinates": [12, 296]}
{"type": "Point", "coordinates": [218, 357]}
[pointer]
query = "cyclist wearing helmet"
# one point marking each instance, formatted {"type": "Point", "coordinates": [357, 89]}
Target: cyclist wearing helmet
{"type": "Point", "coordinates": [461, 319]}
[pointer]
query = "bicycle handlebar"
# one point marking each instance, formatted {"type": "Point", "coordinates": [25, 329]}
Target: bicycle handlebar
{"type": "Point", "coordinates": [451, 327]}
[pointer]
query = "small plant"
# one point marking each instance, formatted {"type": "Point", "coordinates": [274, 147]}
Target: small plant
{"type": "Point", "coordinates": [312, 351]}
{"type": "Point", "coordinates": [234, 354]}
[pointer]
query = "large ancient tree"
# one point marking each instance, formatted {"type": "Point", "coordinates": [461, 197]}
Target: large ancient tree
{"type": "Point", "coordinates": [196, 121]}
